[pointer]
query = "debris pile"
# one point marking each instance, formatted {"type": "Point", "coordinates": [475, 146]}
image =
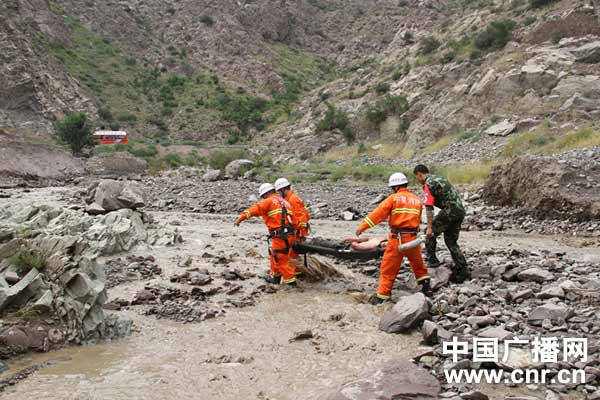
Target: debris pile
{"type": "Point", "coordinates": [52, 289]}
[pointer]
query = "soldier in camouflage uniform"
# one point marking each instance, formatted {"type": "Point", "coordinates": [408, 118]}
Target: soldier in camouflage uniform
{"type": "Point", "coordinates": [441, 194]}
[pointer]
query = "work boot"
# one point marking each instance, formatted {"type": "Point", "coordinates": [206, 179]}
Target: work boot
{"type": "Point", "coordinates": [426, 287]}
{"type": "Point", "coordinates": [433, 263]}
{"type": "Point", "coordinates": [460, 275]}
{"type": "Point", "coordinates": [272, 279]}
{"type": "Point", "coordinates": [375, 300]}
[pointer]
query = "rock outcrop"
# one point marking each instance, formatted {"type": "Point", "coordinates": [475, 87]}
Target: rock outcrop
{"type": "Point", "coordinates": [397, 379]}
{"type": "Point", "coordinates": [49, 272]}
{"type": "Point", "coordinates": [116, 164]}
{"type": "Point", "coordinates": [111, 195]}
{"type": "Point", "coordinates": [406, 314]}
{"type": "Point", "coordinates": [565, 186]}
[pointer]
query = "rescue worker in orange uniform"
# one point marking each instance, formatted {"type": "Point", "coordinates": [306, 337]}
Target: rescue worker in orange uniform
{"type": "Point", "coordinates": [403, 210]}
{"type": "Point", "coordinates": [301, 215]}
{"type": "Point", "coordinates": [278, 216]}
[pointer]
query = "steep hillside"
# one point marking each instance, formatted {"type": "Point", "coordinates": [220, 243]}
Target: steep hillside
{"type": "Point", "coordinates": [454, 92]}
{"type": "Point", "coordinates": [396, 80]}
{"type": "Point", "coordinates": [188, 69]}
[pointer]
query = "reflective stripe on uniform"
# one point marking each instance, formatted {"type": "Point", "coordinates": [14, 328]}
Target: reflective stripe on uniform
{"type": "Point", "coordinates": [423, 278]}
{"type": "Point", "coordinates": [383, 296]}
{"type": "Point", "coordinates": [273, 212]}
{"type": "Point", "coordinates": [278, 211]}
{"type": "Point", "coordinates": [405, 210]}
{"type": "Point", "coordinates": [288, 281]}
{"type": "Point", "coordinates": [303, 224]}
{"type": "Point", "coordinates": [369, 222]}
{"type": "Point", "coordinates": [247, 212]}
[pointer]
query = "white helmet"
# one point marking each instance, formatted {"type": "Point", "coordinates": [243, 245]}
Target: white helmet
{"type": "Point", "coordinates": [397, 179]}
{"type": "Point", "coordinates": [265, 188]}
{"type": "Point", "coordinates": [281, 183]}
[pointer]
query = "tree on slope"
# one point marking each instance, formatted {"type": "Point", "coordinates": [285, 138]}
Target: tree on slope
{"type": "Point", "coordinates": [75, 130]}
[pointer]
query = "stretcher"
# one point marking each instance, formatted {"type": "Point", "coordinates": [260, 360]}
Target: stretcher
{"type": "Point", "coordinates": [351, 248]}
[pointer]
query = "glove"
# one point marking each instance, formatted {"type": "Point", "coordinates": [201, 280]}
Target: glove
{"type": "Point", "coordinates": [237, 222]}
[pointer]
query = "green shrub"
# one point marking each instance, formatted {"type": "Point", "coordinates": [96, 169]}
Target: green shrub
{"type": "Point", "coordinates": [207, 20]}
{"type": "Point", "coordinates": [336, 119]}
{"type": "Point", "coordinates": [540, 3]}
{"type": "Point", "coordinates": [75, 130]}
{"type": "Point", "coordinates": [105, 114]}
{"type": "Point", "coordinates": [25, 260]}
{"type": "Point", "coordinates": [126, 117]}
{"type": "Point", "coordinates": [389, 105]}
{"type": "Point", "coordinates": [495, 36]}
{"type": "Point", "coordinates": [382, 88]}
{"type": "Point", "coordinates": [428, 45]}
{"type": "Point", "coordinates": [220, 158]}
{"type": "Point", "coordinates": [529, 20]}
{"type": "Point", "coordinates": [174, 160]}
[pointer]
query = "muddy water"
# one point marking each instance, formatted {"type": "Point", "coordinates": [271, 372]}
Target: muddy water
{"type": "Point", "coordinates": [172, 361]}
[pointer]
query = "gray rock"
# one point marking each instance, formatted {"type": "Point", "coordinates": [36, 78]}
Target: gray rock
{"type": "Point", "coordinates": [398, 379]}
{"type": "Point", "coordinates": [569, 286]}
{"type": "Point", "coordinates": [496, 332]}
{"type": "Point", "coordinates": [237, 168]}
{"type": "Point", "coordinates": [551, 311]}
{"type": "Point", "coordinates": [535, 275]}
{"type": "Point", "coordinates": [588, 53]}
{"type": "Point", "coordinates": [503, 128]}
{"type": "Point", "coordinates": [474, 395]}
{"type": "Point", "coordinates": [114, 195]}
{"type": "Point", "coordinates": [522, 295]}
{"type": "Point", "coordinates": [348, 216]}
{"type": "Point", "coordinates": [3, 367]}
{"type": "Point", "coordinates": [440, 277]}
{"type": "Point", "coordinates": [405, 314]}
{"type": "Point", "coordinates": [477, 322]}
{"type": "Point", "coordinates": [553, 291]}
{"type": "Point", "coordinates": [13, 294]}
{"type": "Point", "coordinates": [95, 209]}
{"type": "Point", "coordinates": [429, 331]}
{"type": "Point", "coordinates": [212, 175]}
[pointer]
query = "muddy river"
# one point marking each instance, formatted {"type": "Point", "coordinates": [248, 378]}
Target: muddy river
{"type": "Point", "coordinates": [247, 353]}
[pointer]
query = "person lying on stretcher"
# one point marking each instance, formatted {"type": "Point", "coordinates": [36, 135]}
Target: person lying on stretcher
{"type": "Point", "coordinates": [366, 244]}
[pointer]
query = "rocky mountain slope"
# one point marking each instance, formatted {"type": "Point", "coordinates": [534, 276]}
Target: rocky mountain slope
{"type": "Point", "coordinates": [489, 70]}
{"type": "Point", "coordinates": [191, 69]}
{"type": "Point", "coordinates": [412, 76]}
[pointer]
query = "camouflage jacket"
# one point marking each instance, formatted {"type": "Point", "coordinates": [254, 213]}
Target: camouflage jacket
{"type": "Point", "coordinates": [446, 197]}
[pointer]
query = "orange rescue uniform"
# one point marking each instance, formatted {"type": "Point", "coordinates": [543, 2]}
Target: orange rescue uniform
{"type": "Point", "coordinates": [271, 209]}
{"type": "Point", "coordinates": [301, 216]}
{"type": "Point", "coordinates": [403, 209]}
{"type": "Point", "coordinates": [300, 212]}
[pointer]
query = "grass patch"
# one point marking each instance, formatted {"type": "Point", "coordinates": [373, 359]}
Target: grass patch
{"type": "Point", "coordinates": [336, 119]}
{"type": "Point", "coordinates": [465, 174]}
{"type": "Point", "coordinates": [25, 260]}
{"type": "Point", "coordinates": [543, 141]}
{"type": "Point", "coordinates": [220, 158]}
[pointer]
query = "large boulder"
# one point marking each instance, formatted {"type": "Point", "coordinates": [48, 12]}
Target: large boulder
{"type": "Point", "coordinates": [116, 164]}
{"type": "Point", "coordinates": [111, 195]}
{"type": "Point", "coordinates": [397, 379]}
{"type": "Point", "coordinates": [551, 187]}
{"type": "Point", "coordinates": [406, 314]}
{"type": "Point", "coordinates": [212, 175]}
{"type": "Point", "coordinates": [556, 313]}
{"type": "Point", "coordinates": [236, 168]}
{"type": "Point", "coordinates": [588, 53]}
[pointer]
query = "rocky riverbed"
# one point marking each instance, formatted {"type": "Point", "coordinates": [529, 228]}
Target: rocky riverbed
{"type": "Point", "coordinates": [201, 313]}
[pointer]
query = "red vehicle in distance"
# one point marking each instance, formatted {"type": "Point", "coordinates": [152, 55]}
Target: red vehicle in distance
{"type": "Point", "coordinates": [110, 137]}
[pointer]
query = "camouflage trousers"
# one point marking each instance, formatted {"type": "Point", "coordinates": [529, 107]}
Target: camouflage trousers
{"type": "Point", "coordinates": [449, 224]}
